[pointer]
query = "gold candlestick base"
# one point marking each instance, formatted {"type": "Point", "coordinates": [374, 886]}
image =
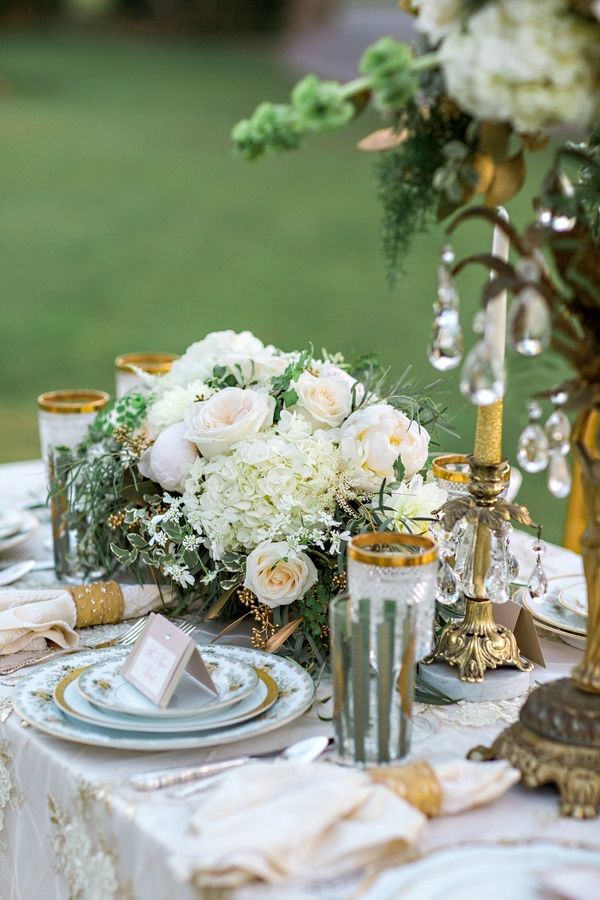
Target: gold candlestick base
{"type": "Point", "coordinates": [556, 741]}
{"type": "Point", "coordinates": [477, 643]}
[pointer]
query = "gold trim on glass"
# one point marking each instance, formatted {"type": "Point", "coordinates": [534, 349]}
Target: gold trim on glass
{"type": "Point", "coordinates": [73, 401]}
{"type": "Point", "coordinates": [400, 544]}
{"type": "Point", "coordinates": [440, 468]}
{"type": "Point", "coordinates": [153, 363]}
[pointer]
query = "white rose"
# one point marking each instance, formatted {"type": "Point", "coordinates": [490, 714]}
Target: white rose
{"type": "Point", "coordinates": [373, 438]}
{"type": "Point", "coordinates": [228, 417]}
{"type": "Point", "coordinates": [324, 400]}
{"type": "Point", "coordinates": [171, 406]}
{"type": "Point", "coordinates": [278, 575]}
{"type": "Point", "coordinates": [169, 459]}
{"type": "Point", "coordinates": [412, 503]}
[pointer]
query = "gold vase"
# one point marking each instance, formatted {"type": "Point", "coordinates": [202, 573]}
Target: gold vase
{"type": "Point", "coordinates": [557, 737]}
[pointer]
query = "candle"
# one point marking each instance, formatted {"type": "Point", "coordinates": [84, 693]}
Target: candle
{"type": "Point", "coordinates": [495, 322]}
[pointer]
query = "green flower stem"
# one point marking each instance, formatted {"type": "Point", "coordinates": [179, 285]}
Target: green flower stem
{"type": "Point", "coordinates": [427, 61]}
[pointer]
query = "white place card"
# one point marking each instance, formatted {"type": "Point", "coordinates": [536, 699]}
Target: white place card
{"type": "Point", "coordinates": [160, 656]}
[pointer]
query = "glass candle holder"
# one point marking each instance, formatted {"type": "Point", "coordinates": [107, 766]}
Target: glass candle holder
{"type": "Point", "coordinates": [152, 363]}
{"type": "Point", "coordinates": [373, 665]}
{"type": "Point", "coordinates": [64, 418]}
{"type": "Point", "coordinates": [400, 567]}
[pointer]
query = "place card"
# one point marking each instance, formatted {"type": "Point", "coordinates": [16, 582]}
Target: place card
{"type": "Point", "coordinates": [520, 621]}
{"type": "Point", "coordinates": [160, 656]}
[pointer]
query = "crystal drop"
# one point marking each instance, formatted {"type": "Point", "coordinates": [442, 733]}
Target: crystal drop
{"type": "Point", "coordinates": [559, 397]}
{"type": "Point", "coordinates": [559, 475]}
{"type": "Point", "coordinates": [447, 591]}
{"type": "Point", "coordinates": [528, 268]}
{"type": "Point", "coordinates": [447, 255]}
{"type": "Point", "coordinates": [447, 294]}
{"type": "Point", "coordinates": [482, 378]}
{"type": "Point", "coordinates": [529, 324]}
{"type": "Point", "coordinates": [445, 347]}
{"type": "Point", "coordinates": [539, 547]}
{"type": "Point", "coordinates": [479, 321]}
{"type": "Point", "coordinates": [558, 430]}
{"type": "Point", "coordinates": [563, 223]}
{"type": "Point", "coordinates": [537, 585]}
{"type": "Point", "coordinates": [512, 566]}
{"type": "Point", "coordinates": [544, 216]}
{"type": "Point", "coordinates": [532, 449]}
{"type": "Point", "coordinates": [495, 586]}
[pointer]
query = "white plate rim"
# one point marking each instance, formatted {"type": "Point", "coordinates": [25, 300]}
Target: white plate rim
{"type": "Point", "coordinates": [561, 599]}
{"type": "Point", "coordinates": [532, 608]}
{"type": "Point", "coordinates": [163, 713]}
{"type": "Point", "coordinates": [161, 726]}
{"type": "Point", "coordinates": [30, 526]}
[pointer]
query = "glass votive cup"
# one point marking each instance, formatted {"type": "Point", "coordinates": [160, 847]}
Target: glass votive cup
{"type": "Point", "coordinates": [128, 379]}
{"type": "Point", "coordinates": [65, 416]}
{"type": "Point", "coordinates": [389, 565]}
{"type": "Point", "coordinates": [373, 666]}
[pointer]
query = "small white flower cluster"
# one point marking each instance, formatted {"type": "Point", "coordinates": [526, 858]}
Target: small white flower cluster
{"type": "Point", "coordinates": [533, 63]}
{"type": "Point", "coordinates": [266, 448]}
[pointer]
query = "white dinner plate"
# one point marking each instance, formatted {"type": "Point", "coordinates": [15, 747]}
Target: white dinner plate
{"type": "Point", "coordinates": [524, 871]}
{"type": "Point", "coordinates": [103, 686]}
{"type": "Point", "coordinates": [574, 598]}
{"type": "Point", "coordinates": [70, 701]}
{"type": "Point", "coordinates": [550, 612]}
{"type": "Point", "coordinates": [29, 526]}
{"type": "Point", "coordinates": [33, 702]}
{"type": "Point", "coordinates": [11, 522]}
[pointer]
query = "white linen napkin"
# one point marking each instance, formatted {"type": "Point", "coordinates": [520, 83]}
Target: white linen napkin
{"type": "Point", "coordinates": [30, 618]}
{"type": "Point", "coordinates": [270, 822]}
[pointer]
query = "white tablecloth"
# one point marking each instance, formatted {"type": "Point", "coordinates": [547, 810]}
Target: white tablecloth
{"type": "Point", "coordinates": [70, 828]}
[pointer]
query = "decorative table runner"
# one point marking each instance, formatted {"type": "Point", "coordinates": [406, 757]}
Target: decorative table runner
{"type": "Point", "coordinates": [70, 827]}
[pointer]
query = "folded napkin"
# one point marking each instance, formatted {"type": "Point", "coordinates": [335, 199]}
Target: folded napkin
{"type": "Point", "coordinates": [270, 822]}
{"type": "Point", "coordinates": [30, 618]}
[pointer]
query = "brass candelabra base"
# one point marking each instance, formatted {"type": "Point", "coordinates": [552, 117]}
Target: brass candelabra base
{"type": "Point", "coordinates": [477, 643]}
{"type": "Point", "coordinates": [556, 741]}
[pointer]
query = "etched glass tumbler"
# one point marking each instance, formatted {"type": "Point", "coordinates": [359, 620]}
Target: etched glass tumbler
{"type": "Point", "coordinates": [126, 376]}
{"type": "Point", "coordinates": [401, 567]}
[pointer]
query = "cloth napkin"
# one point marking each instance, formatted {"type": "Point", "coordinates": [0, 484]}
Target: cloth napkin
{"type": "Point", "coordinates": [31, 618]}
{"type": "Point", "coordinates": [271, 822]}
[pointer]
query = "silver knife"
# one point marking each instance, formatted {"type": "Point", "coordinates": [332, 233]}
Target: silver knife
{"type": "Point", "coordinates": [302, 751]}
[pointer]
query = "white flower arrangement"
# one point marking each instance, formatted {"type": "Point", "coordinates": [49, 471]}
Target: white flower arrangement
{"type": "Point", "coordinates": [258, 465]}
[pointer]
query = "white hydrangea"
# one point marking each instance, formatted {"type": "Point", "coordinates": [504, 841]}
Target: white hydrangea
{"type": "Point", "coordinates": [171, 405]}
{"type": "Point", "coordinates": [278, 485]}
{"type": "Point", "coordinates": [414, 499]}
{"type": "Point", "coordinates": [436, 17]}
{"type": "Point", "coordinates": [525, 61]}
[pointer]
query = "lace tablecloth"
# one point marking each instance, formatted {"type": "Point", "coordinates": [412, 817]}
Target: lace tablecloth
{"type": "Point", "coordinates": [70, 828]}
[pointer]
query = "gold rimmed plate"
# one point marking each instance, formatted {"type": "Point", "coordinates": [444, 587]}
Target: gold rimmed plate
{"type": "Point", "coordinates": [549, 612]}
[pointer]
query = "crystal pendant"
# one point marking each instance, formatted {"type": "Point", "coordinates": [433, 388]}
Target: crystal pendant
{"type": "Point", "coordinates": [479, 321]}
{"type": "Point", "coordinates": [482, 379]}
{"type": "Point", "coordinates": [537, 585]}
{"type": "Point", "coordinates": [496, 586]}
{"type": "Point", "coordinates": [532, 449]}
{"type": "Point", "coordinates": [559, 475]}
{"type": "Point", "coordinates": [447, 588]}
{"type": "Point", "coordinates": [529, 324]}
{"type": "Point", "coordinates": [445, 346]}
{"type": "Point", "coordinates": [512, 563]}
{"type": "Point", "coordinates": [558, 431]}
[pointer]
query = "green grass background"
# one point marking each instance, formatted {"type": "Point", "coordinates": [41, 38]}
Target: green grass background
{"type": "Point", "coordinates": [126, 224]}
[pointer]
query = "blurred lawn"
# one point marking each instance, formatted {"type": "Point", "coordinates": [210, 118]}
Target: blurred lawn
{"type": "Point", "coordinates": [126, 224]}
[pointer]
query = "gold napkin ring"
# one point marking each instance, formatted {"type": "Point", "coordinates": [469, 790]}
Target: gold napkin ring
{"type": "Point", "coordinates": [416, 783]}
{"type": "Point", "coordinates": [100, 603]}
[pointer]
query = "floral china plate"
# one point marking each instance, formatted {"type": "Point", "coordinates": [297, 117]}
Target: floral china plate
{"type": "Point", "coordinates": [70, 701]}
{"type": "Point", "coordinates": [103, 686]}
{"type": "Point", "coordinates": [549, 611]}
{"type": "Point", "coordinates": [574, 598]}
{"type": "Point", "coordinates": [33, 701]}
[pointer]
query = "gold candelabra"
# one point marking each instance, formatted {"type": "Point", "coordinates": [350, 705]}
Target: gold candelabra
{"type": "Point", "coordinates": [478, 643]}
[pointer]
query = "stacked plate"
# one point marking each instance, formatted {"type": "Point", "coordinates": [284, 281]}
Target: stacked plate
{"type": "Point", "coordinates": [16, 527]}
{"type": "Point", "coordinates": [84, 698]}
{"type": "Point", "coordinates": [563, 611]}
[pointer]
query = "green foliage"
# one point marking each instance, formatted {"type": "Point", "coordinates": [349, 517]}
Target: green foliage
{"type": "Point", "coordinates": [387, 65]}
{"type": "Point", "coordinates": [321, 105]}
{"type": "Point", "coordinates": [281, 385]}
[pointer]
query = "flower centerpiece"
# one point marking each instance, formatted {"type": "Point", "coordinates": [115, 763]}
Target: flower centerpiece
{"type": "Point", "coordinates": [240, 474]}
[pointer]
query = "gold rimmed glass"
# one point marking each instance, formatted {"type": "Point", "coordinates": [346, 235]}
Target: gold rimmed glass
{"type": "Point", "coordinates": [128, 379]}
{"type": "Point", "coordinates": [65, 416]}
{"type": "Point", "coordinates": [403, 567]}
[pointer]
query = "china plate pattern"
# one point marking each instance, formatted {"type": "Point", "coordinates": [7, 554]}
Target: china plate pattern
{"type": "Point", "coordinates": [33, 702]}
{"type": "Point", "coordinates": [29, 527]}
{"type": "Point", "coordinates": [70, 701]}
{"type": "Point", "coordinates": [574, 598]}
{"type": "Point", "coordinates": [507, 870]}
{"type": "Point", "coordinates": [550, 612]}
{"type": "Point", "coordinates": [103, 685]}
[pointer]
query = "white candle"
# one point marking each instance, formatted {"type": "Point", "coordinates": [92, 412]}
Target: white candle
{"type": "Point", "coordinates": [495, 322]}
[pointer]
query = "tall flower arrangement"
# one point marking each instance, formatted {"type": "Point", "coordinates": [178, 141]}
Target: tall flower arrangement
{"type": "Point", "coordinates": [241, 474]}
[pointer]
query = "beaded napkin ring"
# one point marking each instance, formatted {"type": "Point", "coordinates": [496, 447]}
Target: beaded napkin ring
{"type": "Point", "coordinates": [100, 603]}
{"type": "Point", "coordinates": [416, 783]}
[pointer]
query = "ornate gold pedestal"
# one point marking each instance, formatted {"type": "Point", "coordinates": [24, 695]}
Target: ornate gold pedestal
{"type": "Point", "coordinates": [557, 737]}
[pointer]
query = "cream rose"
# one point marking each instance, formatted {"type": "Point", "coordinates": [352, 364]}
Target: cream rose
{"type": "Point", "coordinates": [373, 438]}
{"type": "Point", "coordinates": [278, 575]}
{"type": "Point", "coordinates": [226, 418]}
{"type": "Point", "coordinates": [324, 400]}
{"type": "Point", "coordinates": [169, 459]}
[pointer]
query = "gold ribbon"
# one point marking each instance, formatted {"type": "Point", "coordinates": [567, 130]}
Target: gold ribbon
{"type": "Point", "coordinates": [416, 783]}
{"type": "Point", "coordinates": [100, 603]}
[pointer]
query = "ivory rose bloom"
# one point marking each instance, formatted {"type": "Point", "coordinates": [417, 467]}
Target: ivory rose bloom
{"type": "Point", "coordinates": [169, 459]}
{"type": "Point", "coordinates": [229, 416]}
{"type": "Point", "coordinates": [373, 438]}
{"type": "Point", "coordinates": [324, 400]}
{"type": "Point", "coordinates": [279, 575]}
